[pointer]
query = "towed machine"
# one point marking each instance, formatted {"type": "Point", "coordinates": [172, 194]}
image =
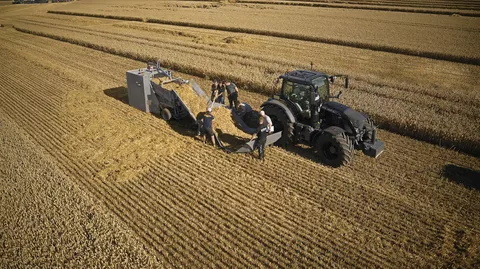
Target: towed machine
{"type": "Point", "coordinates": [148, 96]}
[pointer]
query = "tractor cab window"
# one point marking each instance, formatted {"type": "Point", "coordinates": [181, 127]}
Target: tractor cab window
{"type": "Point", "coordinates": [298, 94]}
{"type": "Point", "coordinates": [321, 84]}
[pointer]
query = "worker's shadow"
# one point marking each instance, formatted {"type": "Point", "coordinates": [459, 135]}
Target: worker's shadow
{"type": "Point", "coordinates": [231, 142]}
{"type": "Point", "coordinates": [462, 175]}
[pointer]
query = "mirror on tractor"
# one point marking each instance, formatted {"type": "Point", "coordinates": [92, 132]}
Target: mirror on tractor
{"type": "Point", "coordinates": [336, 96]}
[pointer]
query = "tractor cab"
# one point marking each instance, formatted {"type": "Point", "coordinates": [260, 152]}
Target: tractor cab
{"type": "Point", "coordinates": [305, 91]}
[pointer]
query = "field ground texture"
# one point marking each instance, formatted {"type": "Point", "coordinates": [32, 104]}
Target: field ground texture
{"type": "Point", "coordinates": [431, 100]}
{"type": "Point", "coordinates": [181, 203]}
{"type": "Point", "coordinates": [47, 221]}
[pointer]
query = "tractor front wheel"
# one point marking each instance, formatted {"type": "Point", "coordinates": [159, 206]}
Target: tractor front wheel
{"type": "Point", "coordinates": [334, 150]}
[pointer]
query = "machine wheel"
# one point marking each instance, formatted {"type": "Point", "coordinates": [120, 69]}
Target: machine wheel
{"type": "Point", "coordinates": [334, 150]}
{"type": "Point", "coordinates": [280, 122]}
{"type": "Point", "coordinates": [166, 114]}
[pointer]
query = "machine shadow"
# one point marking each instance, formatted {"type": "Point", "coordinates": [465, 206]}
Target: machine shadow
{"type": "Point", "coordinates": [119, 93]}
{"type": "Point", "coordinates": [462, 175]}
{"type": "Point", "coordinates": [181, 127]}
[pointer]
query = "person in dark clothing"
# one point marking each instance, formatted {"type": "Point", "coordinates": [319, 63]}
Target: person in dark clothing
{"type": "Point", "coordinates": [221, 93]}
{"type": "Point", "coordinates": [232, 92]}
{"type": "Point", "coordinates": [261, 134]}
{"type": "Point", "coordinates": [214, 90]}
{"type": "Point", "coordinates": [207, 126]}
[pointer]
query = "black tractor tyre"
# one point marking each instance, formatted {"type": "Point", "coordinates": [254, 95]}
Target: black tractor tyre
{"type": "Point", "coordinates": [166, 114]}
{"type": "Point", "coordinates": [280, 122]}
{"type": "Point", "coordinates": [251, 119]}
{"type": "Point", "coordinates": [334, 150]}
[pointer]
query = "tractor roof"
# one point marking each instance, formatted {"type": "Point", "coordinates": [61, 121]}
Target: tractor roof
{"type": "Point", "coordinates": [302, 76]}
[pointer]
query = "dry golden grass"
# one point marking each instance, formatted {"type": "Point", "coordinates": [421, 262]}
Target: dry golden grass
{"type": "Point", "coordinates": [426, 99]}
{"type": "Point", "coordinates": [223, 125]}
{"type": "Point", "coordinates": [201, 207]}
{"type": "Point", "coordinates": [48, 221]}
{"type": "Point", "coordinates": [436, 7]}
{"type": "Point", "coordinates": [433, 36]}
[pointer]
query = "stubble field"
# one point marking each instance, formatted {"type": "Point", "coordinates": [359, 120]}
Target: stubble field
{"type": "Point", "coordinates": [186, 204]}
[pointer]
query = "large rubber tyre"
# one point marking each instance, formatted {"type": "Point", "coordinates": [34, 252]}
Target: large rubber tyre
{"type": "Point", "coordinates": [251, 119]}
{"type": "Point", "coordinates": [280, 122]}
{"type": "Point", "coordinates": [166, 114]}
{"type": "Point", "coordinates": [334, 150]}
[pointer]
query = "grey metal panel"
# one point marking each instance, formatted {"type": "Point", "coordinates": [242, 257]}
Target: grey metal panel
{"type": "Point", "coordinates": [136, 92]}
{"type": "Point", "coordinates": [148, 94]}
{"type": "Point", "coordinates": [199, 90]}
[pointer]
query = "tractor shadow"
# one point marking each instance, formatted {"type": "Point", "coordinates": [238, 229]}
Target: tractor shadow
{"type": "Point", "coordinates": [462, 175]}
{"type": "Point", "coordinates": [304, 152]}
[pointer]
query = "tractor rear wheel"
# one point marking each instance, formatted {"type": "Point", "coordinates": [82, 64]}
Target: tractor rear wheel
{"type": "Point", "coordinates": [334, 150]}
{"type": "Point", "coordinates": [166, 114]}
{"type": "Point", "coordinates": [280, 122]}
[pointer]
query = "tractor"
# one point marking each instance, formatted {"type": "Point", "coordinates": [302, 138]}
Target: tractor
{"type": "Point", "coordinates": [305, 113]}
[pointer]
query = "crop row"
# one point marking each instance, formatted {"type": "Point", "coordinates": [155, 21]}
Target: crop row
{"type": "Point", "coordinates": [465, 10]}
{"type": "Point", "coordinates": [125, 198]}
{"type": "Point", "coordinates": [406, 149]}
{"type": "Point", "coordinates": [376, 47]}
{"type": "Point", "coordinates": [418, 116]}
{"type": "Point", "coordinates": [146, 203]}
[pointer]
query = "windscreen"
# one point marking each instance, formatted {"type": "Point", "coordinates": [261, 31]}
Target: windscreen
{"type": "Point", "coordinates": [322, 84]}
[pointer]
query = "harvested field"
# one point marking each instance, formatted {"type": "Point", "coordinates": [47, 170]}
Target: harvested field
{"type": "Point", "coordinates": [434, 36]}
{"type": "Point", "coordinates": [448, 7]}
{"type": "Point", "coordinates": [47, 221]}
{"type": "Point", "coordinates": [180, 203]}
{"type": "Point", "coordinates": [395, 211]}
{"type": "Point", "coordinates": [413, 101]}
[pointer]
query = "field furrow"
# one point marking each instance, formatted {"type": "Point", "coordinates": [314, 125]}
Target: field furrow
{"type": "Point", "coordinates": [421, 122]}
{"type": "Point", "coordinates": [192, 205]}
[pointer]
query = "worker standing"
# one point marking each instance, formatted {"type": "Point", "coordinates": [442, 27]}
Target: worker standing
{"type": "Point", "coordinates": [268, 121]}
{"type": "Point", "coordinates": [207, 126]}
{"type": "Point", "coordinates": [221, 93]}
{"type": "Point", "coordinates": [232, 92]}
{"type": "Point", "coordinates": [261, 134]}
{"type": "Point", "coordinates": [214, 90]}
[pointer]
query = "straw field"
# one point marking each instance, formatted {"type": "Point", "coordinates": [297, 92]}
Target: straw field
{"type": "Point", "coordinates": [88, 181]}
{"type": "Point", "coordinates": [412, 96]}
{"type": "Point", "coordinates": [427, 35]}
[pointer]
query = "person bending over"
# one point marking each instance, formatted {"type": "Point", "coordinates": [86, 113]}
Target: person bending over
{"type": "Point", "coordinates": [207, 126]}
